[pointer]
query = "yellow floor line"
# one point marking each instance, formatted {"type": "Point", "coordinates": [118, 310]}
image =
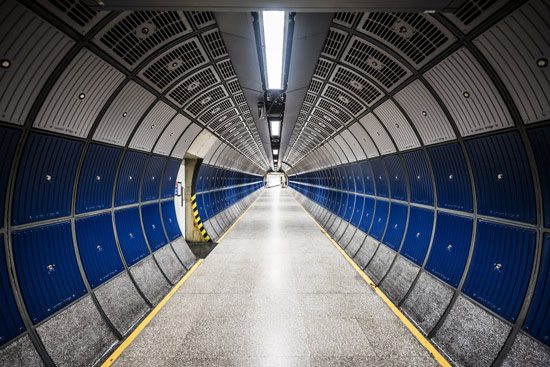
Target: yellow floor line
{"type": "Point", "coordinates": [417, 334]}
{"type": "Point", "coordinates": [238, 219]}
{"type": "Point", "coordinates": [113, 357]}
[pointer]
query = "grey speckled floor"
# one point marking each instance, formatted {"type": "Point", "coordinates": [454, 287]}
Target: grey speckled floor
{"type": "Point", "coordinates": [275, 292]}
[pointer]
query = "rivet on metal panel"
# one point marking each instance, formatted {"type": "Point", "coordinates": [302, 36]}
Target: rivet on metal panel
{"type": "Point", "coordinates": [5, 63]}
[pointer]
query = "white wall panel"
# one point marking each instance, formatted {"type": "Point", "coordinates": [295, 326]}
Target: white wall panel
{"type": "Point", "coordinates": [186, 140]}
{"type": "Point", "coordinates": [354, 144]}
{"type": "Point", "coordinates": [171, 135]}
{"type": "Point", "coordinates": [152, 126]}
{"type": "Point", "coordinates": [378, 134]}
{"type": "Point", "coordinates": [364, 140]}
{"type": "Point", "coordinates": [398, 126]}
{"type": "Point", "coordinates": [350, 157]}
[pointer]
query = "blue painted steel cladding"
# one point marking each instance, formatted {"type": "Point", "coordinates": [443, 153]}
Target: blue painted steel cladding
{"type": "Point", "coordinates": [11, 324]}
{"type": "Point", "coordinates": [8, 143]}
{"type": "Point", "coordinates": [397, 177]}
{"type": "Point", "coordinates": [129, 178]}
{"type": "Point", "coordinates": [95, 185]}
{"type": "Point", "coordinates": [419, 233]}
{"type": "Point", "coordinates": [452, 180]}
{"type": "Point", "coordinates": [169, 178]}
{"type": "Point", "coordinates": [537, 322]}
{"type": "Point", "coordinates": [97, 248]}
{"type": "Point", "coordinates": [380, 177]}
{"type": "Point", "coordinates": [358, 178]}
{"type": "Point", "coordinates": [396, 226]}
{"type": "Point", "coordinates": [450, 247]}
{"type": "Point", "coordinates": [153, 226]}
{"type": "Point", "coordinates": [358, 210]}
{"type": "Point", "coordinates": [368, 214]}
{"type": "Point", "coordinates": [503, 177]}
{"type": "Point", "coordinates": [48, 273]}
{"type": "Point", "coordinates": [368, 181]}
{"type": "Point", "coordinates": [380, 219]}
{"type": "Point", "coordinates": [501, 267]}
{"type": "Point", "coordinates": [420, 177]}
{"type": "Point", "coordinates": [170, 220]}
{"type": "Point", "coordinates": [45, 178]}
{"type": "Point", "coordinates": [130, 235]}
{"type": "Point", "coordinates": [540, 142]}
{"type": "Point", "coordinates": [150, 188]}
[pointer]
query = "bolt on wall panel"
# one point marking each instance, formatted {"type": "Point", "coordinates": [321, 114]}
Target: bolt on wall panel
{"type": "Point", "coordinates": [153, 226]}
{"type": "Point", "coordinates": [380, 177]}
{"type": "Point", "coordinates": [368, 177]}
{"type": "Point", "coordinates": [396, 176]}
{"type": "Point", "coordinates": [129, 178]}
{"type": "Point", "coordinates": [130, 235]}
{"type": "Point", "coordinates": [380, 219]}
{"type": "Point", "coordinates": [396, 226]}
{"type": "Point", "coordinates": [169, 178]}
{"type": "Point", "coordinates": [419, 233]}
{"type": "Point", "coordinates": [420, 177]}
{"type": "Point", "coordinates": [150, 187]}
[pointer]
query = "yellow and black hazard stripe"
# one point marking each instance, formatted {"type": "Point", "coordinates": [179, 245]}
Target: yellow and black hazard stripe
{"type": "Point", "coordinates": [198, 221]}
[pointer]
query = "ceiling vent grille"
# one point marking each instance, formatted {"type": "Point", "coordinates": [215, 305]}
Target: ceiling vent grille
{"type": "Point", "coordinates": [240, 99]}
{"type": "Point", "coordinates": [228, 124]}
{"type": "Point", "coordinates": [343, 99]}
{"type": "Point", "coordinates": [329, 119]}
{"type": "Point", "coordinates": [374, 62]}
{"type": "Point", "coordinates": [356, 84]}
{"type": "Point", "coordinates": [217, 109]}
{"type": "Point", "coordinates": [214, 43]}
{"type": "Point", "coordinates": [133, 35]}
{"type": "Point", "coordinates": [346, 19]}
{"type": "Point", "coordinates": [206, 100]}
{"type": "Point", "coordinates": [175, 63]}
{"type": "Point", "coordinates": [472, 12]}
{"type": "Point", "coordinates": [335, 110]}
{"type": "Point", "coordinates": [310, 98]}
{"type": "Point", "coordinates": [216, 123]}
{"type": "Point", "coordinates": [418, 38]}
{"type": "Point", "coordinates": [334, 42]}
{"type": "Point", "coordinates": [305, 108]}
{"type": "Point", "coordinates": [202, 19]}
{"type": "Point", "coordinates": [193, 85]}
{"type": "Point", "coordinates": [76, 13]}
{"type": "Point", "coordinates": [234, 86]}
{"type": "Point", "coordinates": [323, 68]}
{"type": "Point", "coordinates": [226, 69]}
{"type": "Point", "coordinates": [315, 86]}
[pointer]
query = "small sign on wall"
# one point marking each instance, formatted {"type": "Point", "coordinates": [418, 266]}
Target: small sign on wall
{"type": "Point", "coordinates": [179, 189]}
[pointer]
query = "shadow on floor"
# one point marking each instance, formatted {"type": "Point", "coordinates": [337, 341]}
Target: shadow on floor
{"type": "Point", "coordinates": [201, 249]}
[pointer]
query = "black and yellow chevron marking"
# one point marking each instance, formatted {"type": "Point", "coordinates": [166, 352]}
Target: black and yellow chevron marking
{"type": "Point", "coordinates": [197, 217]}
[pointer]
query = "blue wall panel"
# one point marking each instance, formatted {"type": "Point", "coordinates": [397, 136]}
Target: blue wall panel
{"type": "Point", "coordinates": [503, 177]}
{"type": "Point", "coordinates": [537, 322]}
{"type": "Point", "coordinates": [540, 141]}
{"type": "Point", "coordinates": [397, 177]}
{"type": "Point", "coordinates": [368, 215]}
{"type": "Point", "coordinates": [396, 226]}
{"type": "Point", "coordinates": [169, 178]}
{"type": "Point", "coordinates": [452, 180]}
{"type": "Point", "coordinates": [368, 177]}
{"type": "Point", "coordinates": [419, 233]}
{"type": "Point", "coordinates": [358, 210]}
{"type": "Point", "coordinates": [152, 178]}
{"type": "Point", "coordinates": [11, 324]}
{"type": "Point", "coordinates": [153, 226]}
{"type": "Point", "coordinates": [46, 268]}
{"type": "Point", "coordinates": [8, 143]}
{"type": "Point", "coordinates": [97, 247]}
{"type": "Point", "coordinates": [358, 178]}
{"type": "Point", "coordinates": [170, 220]}
{"type": "Point", "coordinates": [95, 185]}
{"type": "Point", "coordinates": [380, 177]}
{"type": "Point", "coordinates": [450, 247]}
{"type": "Point", "coordinates": [380, 219]}
{"type": "Point", "coordinates": [127, 191]}
{"type": "Point", "coordinates": [201, 207]}
{"type": "Point", "coordinates": [420, 177]}
{"type": "Point", "coordinates": [130, 235]}
{"type": "Point", "coordinates": [45, 179]}
{"type": "Point", "coordinates": [501, 267]}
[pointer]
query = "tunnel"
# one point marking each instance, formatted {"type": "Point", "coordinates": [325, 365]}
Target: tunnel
{"type": "Point", "coordinates": [371, 181]}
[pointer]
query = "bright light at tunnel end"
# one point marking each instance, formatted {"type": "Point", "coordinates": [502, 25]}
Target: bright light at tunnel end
{"type": "Point", "coordinates": [274, 35]}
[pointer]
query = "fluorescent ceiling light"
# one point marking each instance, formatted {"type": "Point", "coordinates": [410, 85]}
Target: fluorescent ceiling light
{"type": "Point", "coordinates": [275, 151]}
{"type": "Point", "coordinates": [275, 127]}
{"type": "Point", "coordinates": [274, 35]}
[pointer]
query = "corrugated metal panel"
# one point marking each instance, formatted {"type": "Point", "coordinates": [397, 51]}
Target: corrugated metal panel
{"type": "Point", "coordinates": [171, 135]}
{"type": "Point", "coordinates": [380, 218]}
{"type": "Point", "coordinates": [469, 94]}
{"type": "Point", "coordinates": [378, 134]}
{"type": "Point", "coordinates": [397, 125]}
{"type": "Point", "coordinates": [123, 114]}
{"type": "Point", "coordinates": [169, 178]}
{"type": "Point", "coordinates": [152, 178]}
{"type": "Point", "coordinates": [471, 13]}
{"type": "Point", "coordinates": [127, 189]}
{"type": "Point", "coordinates": [152, 126]}
{"type": "Point", "coordinates": [78, 95]}
{"type": "Point", "coordinates": [133, 35]}
{"type": "Point", "coordinates": [450, 247]}
{"type": "Point", "coordinates": [358, 211]}
{"type": "Point", "coordinates": [170, 220]}
{"type": "Point", "coordinates": [501, 267]}
{"type": "Point", "coordinates": [358, 178]}
{"type": "Point", "coordinates": [364, 140]}
{"type": "Point", "coordinates": [537, 322]}
{"type": "Point", "coordinates": [33, 48]}
{"type": "Point", "coordinates": [425, 113]}
{"type": "Point", "coordinates": [540, 142]}
{"type": "Point", "coordinates": [97, 247]}
{"type": "Point", "coordinates": [368, 177]}
{"type": "Point", "coordinates": [11, 324]}
{"type": "Point", "coordinates": [358, 152]}
{"type": "Point", "coordinates": [130, 235]}
{"type": "Point", "coordinates": [76, 14]}
{"type": "Point", "coordinates": [46, 268]}
{"type": "Point", "coordinates": [419, 232]}
{"type": "Point", "coordinates": [8, 143]}
{"type": "Point", "coordinates": [350, 157]}
{"type": "Point", "coordinates": [396, 226]}
{"type": "Point", "coordinates": [420, 177]}
{"type": "Point", "coordinates": [368, 215]}
{"type": "Point", "coordinates": [397, 177]}
{"type": "Point", "coordinates": [337, 151]}
{"type": "Point", "coordinates": [380, 177]}
{"type": "Point", "coordinates": [153, 226]}
{"type": "Point", "coordinates": [451, 177]}
{"type": "Point", "coordinates": [503, 177]}
{"type": "Point", "coordinates": [522, 40]}
{"type": "Point", "coordinates": [45, 179]}
{"type": "Point", "coordinates": [95, 185]}
{"type": "Point", "coordinates": [186, 140]}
